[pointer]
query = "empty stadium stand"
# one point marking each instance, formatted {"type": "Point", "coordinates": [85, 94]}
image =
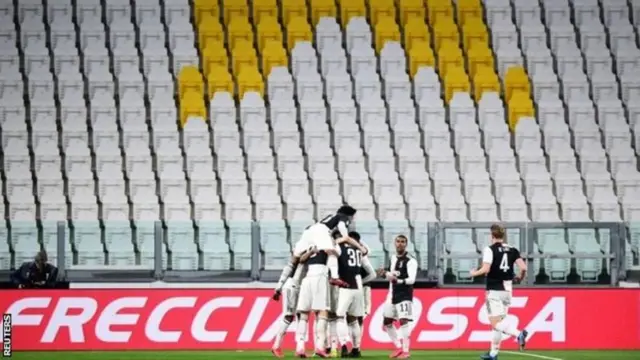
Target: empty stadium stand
{"type": "Point", "coordinates": [209, 115]}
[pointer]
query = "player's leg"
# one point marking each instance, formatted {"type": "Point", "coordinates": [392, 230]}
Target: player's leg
{"type": "Point", "coordinates": [522, 334]}
{"type": "Point", "coordinates": [356, 312]}
{"type": "Point", "coordinates": [389, 315]}
{"type": "Point", "coordinates": [497, 312]}
{"type": "Point", "coordinates": [332, 330]}
{"type": "Point", "coordinates": [405, 317]}
{"type": "Point", "coordinates": [344, 300]}
{"type": "Point", "coordinates": [332, 335]}
{"type": "Point", "coordinates": [366, 297]}
{"type": "Point", "coordinates": [305, 298]}
{"type": "Point", "coordinates": [290, 304]}
{"type": "Point", "coordinates": [320, 305]}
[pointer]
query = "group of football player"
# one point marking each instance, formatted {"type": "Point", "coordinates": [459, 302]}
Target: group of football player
{"type": "Point", "coordinates": [329, 276]}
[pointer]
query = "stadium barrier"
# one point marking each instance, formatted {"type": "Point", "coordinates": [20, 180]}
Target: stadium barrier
{"type": "Point", "coordinates": [212, 319]}
{"type": "Point", "coordinates": [428, 243]}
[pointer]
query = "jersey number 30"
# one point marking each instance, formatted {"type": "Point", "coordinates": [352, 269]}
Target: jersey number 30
{"type": "Point", "coordinates": [355, 257]}
{"type": "Point", "coordinates": [504, 263]}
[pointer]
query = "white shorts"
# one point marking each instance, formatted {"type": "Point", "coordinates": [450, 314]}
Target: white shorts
{"type": "Point", "coordinates": [350, 302]}
{"type": "Point", "coordinates": [398, 311]}
{"type": "Point", "coordinates": [314, 294]}
{"type": "Point", "coordinates": [367, 300]}
{"type": "Point", "coordinates": [318, 235]}
{"type": "Point", "coordinates": [498, 302]}
{"type": "Point", "coordinates": [290, 302]}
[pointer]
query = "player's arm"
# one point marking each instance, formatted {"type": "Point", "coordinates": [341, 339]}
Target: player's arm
{"type": "Point", "coordinates": [522, 266]}
{"type": "Point", "coordinates": [286, 274]}
{"type": "Point", "coordinates": [371, 272]}
{"type": "Point", "coordinates": [388, 274]}
{"type": "Point", "coordinates": [307, 254]}
{"type": "Point", "coordinates": [412, 273]}
{"type": "Point", "coordinates": [354, 244]}
{"type": "Point", "coordinates": [487, 259]}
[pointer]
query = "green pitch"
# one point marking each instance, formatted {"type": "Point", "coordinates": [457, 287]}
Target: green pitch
{"type": "Point", "coordinates": [239, 355]}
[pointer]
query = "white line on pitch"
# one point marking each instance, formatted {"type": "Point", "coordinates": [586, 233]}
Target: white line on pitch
{"type": "Point", "coordinates": [531, 355]}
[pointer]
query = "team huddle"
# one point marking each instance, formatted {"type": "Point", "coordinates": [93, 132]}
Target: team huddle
{"type": "Point", "coordinates": [329, 275]}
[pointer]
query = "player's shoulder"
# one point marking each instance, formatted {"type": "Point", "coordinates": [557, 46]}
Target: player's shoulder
{"type": "Point", "coordinates": [510, 247]}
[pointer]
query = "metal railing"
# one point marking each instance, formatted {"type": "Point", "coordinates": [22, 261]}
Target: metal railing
{"type": "Point", "coordinates": [526, 236]}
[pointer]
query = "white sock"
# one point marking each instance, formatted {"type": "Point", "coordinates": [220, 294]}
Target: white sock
{"type": "Point", "coordinates": [496, 339]}
{"type": "Point", "coordinates": [284, 325]}
{"type": "Point", "coordinates": [333, 334]}
{"type": "Point", "coordinates": [332, 263]}
{"type": "Point", "coordinates": [405, 332]}
{"type": "Point", "coordinates": [321, 333]}
{"type": "Point", "coordinates": [503, 327]}
{"type": "Point", "coordinates": [301, 332]}
{"type": "Point", "coordinates": [393, 335]}
{"type": "Point", "coordinates": [356, 333]}
{"type": "Point", "coordinates": [361, 334]}
{"type": "Point", "coordinates": [343, 331]}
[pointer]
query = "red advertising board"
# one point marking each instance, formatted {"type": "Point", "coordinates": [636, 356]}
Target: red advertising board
{"type": "Point", "coordinates": [248, 319]}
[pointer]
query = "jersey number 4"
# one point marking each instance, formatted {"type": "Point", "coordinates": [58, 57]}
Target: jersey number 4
{"type": "Point", "coordinates": [504, 263]}
{"type": "Point", "coordinates": [355, 257]}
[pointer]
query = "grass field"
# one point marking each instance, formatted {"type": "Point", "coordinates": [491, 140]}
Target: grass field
{"type": "Point", "coordinates": [239, 355]}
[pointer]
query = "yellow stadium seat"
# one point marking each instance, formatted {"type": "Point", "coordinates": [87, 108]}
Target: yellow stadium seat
{"type": "Point", "coordinates": [205, 8]}
{"type": "Point", "coordinates": [485, 80]}
{"type": "Point", "coordinates": [520, 105]}
{"type": "Point", "coordinates": [455, 81]}
{"type": "Point", "coordinates": [445, 30]}
{"type": "Point", "coordinates": [214, 55]}
{"type": "Point", "coordinates": [209, 29]}
{"type": "Point", "coordinates": [420, 55]}
{"type": "Point", "coordinates": [516, 79]}
{"type": "Point", "coordinates": [190, 79]}
{"type": "Point", "coordinates": [386, 29]}
{"type": "Point", "coordinates": [438, 10]}
{"type": "Point", "coordinates": [273, 55]}
{"type": "Point", "coordinates": [322, 8]}
{"type": "Point", "coordinates": [415, 30]}
{"type": "Point", "coordinates": [449, 55]}
{"type": "Point", "coordinates": [250, 79]}
{"type": "Point", "coordinates": [411, 9]}
{"type": "Point", "coordinates": [243, 55]}
{"type": "Point", "coordinates": [298, 30]}
{"type": "Point", "coordinates": [381, 8]}
{"type": "Point", "coordinates": [268, 29]}
{"type": "Point", "coordinates": [479, 56]}
{"type": "Point", "coordinates": [292, 9]}
{"type": "Point", "coordinates": [350, 9]}
{"type": "Point", "coordinates": [468, 9]}
{"type": "Point", "coordinates": [474, 32]}
{"type": "Point", "coordinates": [235, 9]}
{"type": "Point", "coordinates": [239, 29]}
{"type": "Point", "coordinates": [263, 8]}
{"type": "Point", "coordinates": [219, 79]}
{"type": "Point", "coordinates": [191, 104]}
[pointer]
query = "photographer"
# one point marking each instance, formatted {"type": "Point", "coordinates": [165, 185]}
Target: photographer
{"type": "Point", "coordinates": [37, 274]}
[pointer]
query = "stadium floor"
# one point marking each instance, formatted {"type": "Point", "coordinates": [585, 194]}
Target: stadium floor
{"type": "Point", "coordinates": [235, 355]}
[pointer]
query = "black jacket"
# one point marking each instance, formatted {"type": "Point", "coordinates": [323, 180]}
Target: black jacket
{"type": "Point", "coordinates": [29, 276]}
